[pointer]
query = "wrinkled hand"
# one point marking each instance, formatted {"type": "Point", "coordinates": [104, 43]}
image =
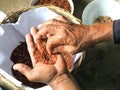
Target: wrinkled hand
{"type": "Point", "coordinates": [60, 35]}
{"type": "Point", "coordinates": [40, 72]}
{"type": "Point", "coordinates": [63, 36]}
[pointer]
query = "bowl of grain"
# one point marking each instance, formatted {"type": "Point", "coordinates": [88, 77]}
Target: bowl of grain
{"type": "Point", "coordinates": [65, 4]}
{"type": "Point", "coordinates": [98, 8]}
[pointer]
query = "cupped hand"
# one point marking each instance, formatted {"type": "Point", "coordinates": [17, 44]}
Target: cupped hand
{"type": "Point", "coordinates": [40, 72]}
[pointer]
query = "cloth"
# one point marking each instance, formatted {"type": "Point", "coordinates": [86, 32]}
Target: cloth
{"type": "Point", "coordinates": [1, 88]}
{"type": "Point", "coordinates": [2, 15]}
{"type": "Point", "coordinates": [116, 31]}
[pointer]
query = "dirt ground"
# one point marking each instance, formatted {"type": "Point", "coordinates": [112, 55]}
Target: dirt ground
{"type": "Point", "coordinates": [99, 69]}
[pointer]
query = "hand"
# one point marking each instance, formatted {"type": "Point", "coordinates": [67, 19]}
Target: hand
{"type": "Point", "coordinates": [41, 72]}
{"type": "Point", "coordinates": [64, 36]}
{"type": "Point", "coordinates": [57, 75]}
{"type": "Point", "coordinates": [60, 34]}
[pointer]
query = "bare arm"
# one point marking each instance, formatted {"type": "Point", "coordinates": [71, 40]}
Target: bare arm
{"type": "Point", "coordinates": [66, 37]}
{"type": "Point", "coordinates": [93, 34]}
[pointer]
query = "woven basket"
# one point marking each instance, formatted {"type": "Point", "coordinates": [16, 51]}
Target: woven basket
{"type": "Point", "coordinates": [12, 17]}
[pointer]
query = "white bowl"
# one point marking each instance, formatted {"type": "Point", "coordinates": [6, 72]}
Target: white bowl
{"type": "Point", "coordinates": [32, 2]}
{"type": "Point", "coordinates": [98, 8]}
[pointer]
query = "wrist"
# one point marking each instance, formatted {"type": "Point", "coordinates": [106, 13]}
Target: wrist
{"type": "Point", "coordinates": [63, 82]}
{"type": "Point", "coordinates": [58, 80]}
{"type": "Point", "coordinates": [102, 32]}
{"type": "Point", "coordinates": [88, 35]}
{"type": "Point", "coordinates": [83, 35]}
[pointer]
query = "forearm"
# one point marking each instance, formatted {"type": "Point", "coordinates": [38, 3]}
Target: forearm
{"type": "Point", "coordinates": [65, 82]}
{"type": "Point", "coordinates": [87, 36]}
{"type": "Point", "coordinates": [102, 32]}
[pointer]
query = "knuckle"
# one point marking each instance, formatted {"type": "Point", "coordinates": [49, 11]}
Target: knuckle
{"type": "Point", "coordinates": [31, 79]}
{"type": "Point", "coordinates": [60, 18]}
{"type": "Point", "coordinates": [53, 21]}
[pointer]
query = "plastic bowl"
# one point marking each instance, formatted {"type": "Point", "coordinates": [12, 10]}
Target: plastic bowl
{"type": "Point", "coordinates": [100, 8]}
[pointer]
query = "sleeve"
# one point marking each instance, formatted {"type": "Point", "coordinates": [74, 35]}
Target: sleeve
{"type": "Point", "coordinates": [116, 31]}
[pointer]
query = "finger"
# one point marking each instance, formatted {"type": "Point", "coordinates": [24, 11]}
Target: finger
{"type": "Point", "coordinates": [57, 44]}
{"type": "Point", "coordinates": [46, 31]}
{"type": "Point", "coordinates": [30, 44]}
{"type": "Point", "coordinates": [61, 63]}
{"type": "Point", "coordinates": [61, 18]}
{"type": "Point", "coordinates": [31, 47]}
{"type": "Point", "coordinates": [49, 27]}
{"type": "Point", "coordinates": [54, 21]}
{"type": "Point", "coordinates": [23, 69]}
{"type": "Point", "coordinates": [33, 31]}
{"type": "Point", "coordinates": [64, 48]}
{"type": "Point", "coordinates": [54, 41]}
{"type": "Point", "coordinates": [60, 59]}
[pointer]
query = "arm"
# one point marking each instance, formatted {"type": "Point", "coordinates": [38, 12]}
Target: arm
{"type": "Point", "coordinates": [89, 35]}
{"type": "Point", "coordinates": [69, 37]}
{"type": "Point", "coordinates": [105, 32]}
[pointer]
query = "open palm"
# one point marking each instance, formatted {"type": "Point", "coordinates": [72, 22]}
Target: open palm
{"type": "Point", "coordinates": [40, 72]}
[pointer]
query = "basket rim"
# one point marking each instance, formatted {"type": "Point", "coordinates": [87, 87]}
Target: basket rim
{"type": "Point", "coordinates": [49, 6]}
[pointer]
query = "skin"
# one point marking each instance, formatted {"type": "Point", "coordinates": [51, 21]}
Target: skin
{"type": "Point", "coordinates": [63, 36]}
{"type": "Point", "coordinates": [57, 75]}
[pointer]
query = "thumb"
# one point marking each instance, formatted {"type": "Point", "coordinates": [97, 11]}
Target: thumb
{"type": "Point", "coordinates": [64, 48]}
{"type": "Point", "coordinates": [23, 69]}
{"type": "Point", "coordinates": [61, 63]}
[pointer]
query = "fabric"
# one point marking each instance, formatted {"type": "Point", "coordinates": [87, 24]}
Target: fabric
{"type": "Point", "coordinates": [1, 88]}
{"type": "Point", "coordinates": [116, 31]}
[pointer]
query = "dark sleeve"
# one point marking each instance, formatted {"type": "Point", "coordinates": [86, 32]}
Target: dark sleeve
{"type": "Point", "coordinates": [116, 31]}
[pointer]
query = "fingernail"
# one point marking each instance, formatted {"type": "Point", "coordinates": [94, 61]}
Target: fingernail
{"type": "Point", "coordinates": [54, 51]}
{"type": "Point", "coordinates": [39, 26]}
{"type": "Point", "coordinates": [48, 35]}
{"type": "Point", "coordinates": [15, 67]}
